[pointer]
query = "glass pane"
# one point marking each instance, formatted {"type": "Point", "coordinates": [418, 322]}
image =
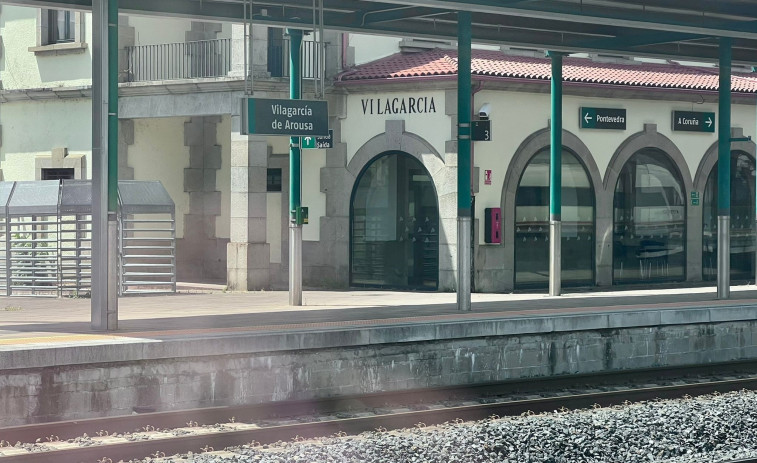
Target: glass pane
{"type": "Point", "coordinates": [61, 26]}
{"type": "Point", "coordinates": [532, 223]}
{"type": "Point", "coordinates": [742, 220]}
{"type": "Point", "coordinates": [395, 226]}
{"type": "Point", "coordinates": [649, 220]}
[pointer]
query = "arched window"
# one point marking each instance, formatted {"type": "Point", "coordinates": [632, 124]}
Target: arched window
{"type": "Point", "coordinates": [532, 223]}
{"type": "Point", "coordinates": [394, 225]}
{"type": "Point", "coordinates": [742, 220]}
{"type": "Point", "coordinates": [649, 232]}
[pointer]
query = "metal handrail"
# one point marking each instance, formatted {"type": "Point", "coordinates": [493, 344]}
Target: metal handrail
{"type": "Point", "coordinates": [209, 58]}
{"type": "Point", "coordinates": [172, 61]}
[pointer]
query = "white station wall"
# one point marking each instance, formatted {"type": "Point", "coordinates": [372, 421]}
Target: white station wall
{"type": "Point", "coordinates": [158, 153]}
{"type": "Point", "coordinates": [32, 128]}
{"type": "Point", "coordinates": [515, 116]}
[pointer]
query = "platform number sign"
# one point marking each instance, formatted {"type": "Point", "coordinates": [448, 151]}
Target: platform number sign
{"type": "Point", "coordinates": [481, 130]}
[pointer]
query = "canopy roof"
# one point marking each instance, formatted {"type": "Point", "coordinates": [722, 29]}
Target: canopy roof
{"type": "Point", "coordinates": [667, 28]}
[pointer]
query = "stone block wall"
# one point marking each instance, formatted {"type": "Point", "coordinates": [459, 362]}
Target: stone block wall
{"type": "Point", "coordinates": [200, 255]}
{"type": "Point", "coordinates": [274, 367]}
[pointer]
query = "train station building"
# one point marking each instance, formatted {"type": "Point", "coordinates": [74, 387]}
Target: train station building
{"type": "Point", "coordinates": [640, 149]}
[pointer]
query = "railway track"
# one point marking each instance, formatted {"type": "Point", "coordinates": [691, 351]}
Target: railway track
{"type": "Point", "coordinates": [201, 430]}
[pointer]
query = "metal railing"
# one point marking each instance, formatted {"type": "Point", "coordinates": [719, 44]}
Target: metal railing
{"type": "Point", "coordinates": [278, 59]}
{"type": "Point", "coordinates": [172, 61]}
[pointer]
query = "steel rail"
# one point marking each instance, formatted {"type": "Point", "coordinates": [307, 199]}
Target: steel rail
{"type": "Point", "coordinates": [218, 440]}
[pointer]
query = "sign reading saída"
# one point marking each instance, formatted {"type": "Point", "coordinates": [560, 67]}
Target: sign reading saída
{"type": "Point", "coordinates": [602, 118]}
{"type": "Point", "coordinates": [693, 121]}
{"type": "Point", "coordinates": [295, 118]}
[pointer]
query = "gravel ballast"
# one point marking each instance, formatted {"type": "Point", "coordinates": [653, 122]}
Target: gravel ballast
{"type": "Point", "coordinates": [705, 429]}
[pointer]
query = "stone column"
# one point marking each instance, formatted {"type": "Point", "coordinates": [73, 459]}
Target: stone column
{"type": "Point", "coordinates": [248, 254]}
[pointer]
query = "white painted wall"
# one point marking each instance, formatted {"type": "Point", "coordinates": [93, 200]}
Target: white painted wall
{"type": "Point", "coordinates": [158, 153]}
{"type": "Point", "coordinates": [515, 116]}
{"type": "Point", "coordinates": [33, 128]}
{"type": "Point", "coordinates": [21, 68]}
{"type": "Point", "coordinates": [433, 127]}
{"type": "Point", "coordinates": [372, 47]}
{"type": "Point", "coordinates": [155, 30]}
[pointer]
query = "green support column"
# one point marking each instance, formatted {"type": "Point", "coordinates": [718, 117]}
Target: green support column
{"type": "Point", "coordinates": [724, 171]}
{"type": "Point", "coordinates": [112, 109]}
{"type": "Point", "coordinates": [295, 163]}
{"type": "Point", "coordinates": [463, 159]}
{"type": "Point", "coordinates": [555, 178]}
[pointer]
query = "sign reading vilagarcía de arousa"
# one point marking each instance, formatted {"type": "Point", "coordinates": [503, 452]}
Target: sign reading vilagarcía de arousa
{"type": "Point", "coordinates": [295, 118]}
{"type": "Point", "coordinates": [693, 121]}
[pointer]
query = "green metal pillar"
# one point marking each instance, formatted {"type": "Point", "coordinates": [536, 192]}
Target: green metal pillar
{"type": "Point", "coordinates": [724, 171]}
{"type": "Point", "coordinates": [464, 221]}
{"type": "Point", "coordinates": [112, 109]}
{"type": "Point", "coordinates": [555, 178]}
{"type": "Point", "coordinates": [295, 164]}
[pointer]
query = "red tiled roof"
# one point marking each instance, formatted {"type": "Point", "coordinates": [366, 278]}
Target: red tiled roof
{"type": "Point", "coordinates": [440, 62]}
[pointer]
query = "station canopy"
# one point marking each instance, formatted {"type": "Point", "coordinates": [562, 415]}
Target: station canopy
{"type": "Point", "coordinates": [678, 29]}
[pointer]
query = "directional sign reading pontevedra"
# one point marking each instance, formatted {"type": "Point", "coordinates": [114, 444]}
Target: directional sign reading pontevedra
{"type": "Point", "coordinates": [295, 118]}
{"type": "Point", "coordinates": [693, 121]}
{"type": "Point", "coordinates": [603, 118]}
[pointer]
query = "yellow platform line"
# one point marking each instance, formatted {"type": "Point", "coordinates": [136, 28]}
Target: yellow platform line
{"type": "Point", "coordinates": [58, 338]}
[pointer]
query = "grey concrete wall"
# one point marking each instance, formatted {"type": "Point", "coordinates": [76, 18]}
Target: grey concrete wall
{"type": "Point", "coordinates": [90, 380]}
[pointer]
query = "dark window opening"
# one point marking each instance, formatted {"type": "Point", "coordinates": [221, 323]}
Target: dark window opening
{"type": "Point", "coordinates": [61, 26]}
{"type": "Point", "coordinates": [273, 180]}
{"type": "Point", "coordinates": [276, 52]}
{"type": "Point", "coordinates": [58, 173]}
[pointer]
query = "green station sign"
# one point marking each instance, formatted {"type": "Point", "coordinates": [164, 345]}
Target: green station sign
{"type": "Point", "coordinates": [693, 121]}
{"type": "Point", "coordinates": [294, 118]}
{"type": "Point", "coordinates": [602, 118]}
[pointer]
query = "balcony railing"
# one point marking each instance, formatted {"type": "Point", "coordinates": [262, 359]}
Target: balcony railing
{"type": "Point", "coordinates": [278, 59]}
{"type": "Point", "coordinates": [171, 61]}
{"type": "Point", "coordinates": [209, 58]}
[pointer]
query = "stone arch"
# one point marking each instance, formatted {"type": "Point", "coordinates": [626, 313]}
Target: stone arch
{"type": "Point", "coordinates": [711, 157]}
{"type": "Point", "coordinates": [534, 143]}
{"type": "Point", "coordinates": [706, 165]}
{"type": "Point", "coordinates": [396, 139]}
{"type": "Point", "coordinates": [651, 138]}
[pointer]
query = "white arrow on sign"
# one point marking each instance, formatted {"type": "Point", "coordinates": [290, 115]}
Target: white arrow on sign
{"type": "Point", "coordinates": [587, 118]}
{"type": "Point", "coordinates": [708, 122]}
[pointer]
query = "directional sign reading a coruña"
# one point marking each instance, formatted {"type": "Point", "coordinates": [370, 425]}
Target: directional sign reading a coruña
{"type": "Point", "coordinates": [693, 121]}
{"type": "Point", "coordinates": [602, 118]}
{"type": "Point", "coordinates": [295, 118]}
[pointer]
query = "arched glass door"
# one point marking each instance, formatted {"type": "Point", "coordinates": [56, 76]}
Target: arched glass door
{"type": "Point", "coordinates": [394, 225]}
{"type": "Point", "coordinates": [532, 223]}
{"type": "Point", "coordinates": [649, 232]}
{"type": "Point", "coordinates": [742, 220]}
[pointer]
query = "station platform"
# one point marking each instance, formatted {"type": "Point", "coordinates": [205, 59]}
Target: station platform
{"type": "Point", "coordinates": [212, 348]}
{"type": "Point", "coordinates": [204, 310]}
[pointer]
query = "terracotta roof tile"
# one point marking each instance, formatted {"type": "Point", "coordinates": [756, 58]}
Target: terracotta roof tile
{"type": "Point", "coordinates": [440, 62]}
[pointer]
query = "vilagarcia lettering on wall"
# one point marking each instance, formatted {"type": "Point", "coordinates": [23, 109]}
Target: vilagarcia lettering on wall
{"type": "Point", "coordinates": [409, 105]}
